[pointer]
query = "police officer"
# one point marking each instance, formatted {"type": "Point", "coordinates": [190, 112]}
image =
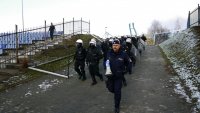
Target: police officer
{"type": "Point", "coordinates": [79, 58]}
{"type": "Point", "coordinates": [118, 61]}
{"type": "Point", "coordinates": [92, 59]}
{"type": "Point", "coordinates": [130, 53]}
{"type": "Point", "coordinates": [106, 46]}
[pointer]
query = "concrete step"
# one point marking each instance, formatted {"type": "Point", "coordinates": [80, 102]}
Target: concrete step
{"type": "Point", "coordinates": [13, 66]}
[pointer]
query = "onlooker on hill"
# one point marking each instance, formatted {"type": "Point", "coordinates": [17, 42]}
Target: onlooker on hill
{"type": "Point", "coordinates": [51, 30]}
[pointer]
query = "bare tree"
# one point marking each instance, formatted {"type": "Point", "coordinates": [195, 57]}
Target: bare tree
{"type": "Point", "coordinates": [156, 27]}
{"type": "Point", "coordinates": [177, 24]}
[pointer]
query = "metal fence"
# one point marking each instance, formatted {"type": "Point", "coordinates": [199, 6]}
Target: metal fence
{"type": "Point", "coordinates": [26, 43]}
{"type": "Point", "coordinates": [161, 37]}
{"type": "Point", "coordinates": [194, 18]}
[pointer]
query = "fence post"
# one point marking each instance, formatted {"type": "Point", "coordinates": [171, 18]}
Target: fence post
{"type": "Point", "coordinates": [45, 29]}
{"type": "Point", "coordinates": [188, 21]}
{"type": "Point", "coordinates": [89, 26]}
{"type": "Point", "coordinates": [81, 25]}
{"type": "Point", "coordinates": [16, 31]}
{"type": "Point", "coordinates": [73, 26]}
{"type": "Point", "coordinates": [198, 15]}
{"type": "Point", "coordinates": [63, 28]}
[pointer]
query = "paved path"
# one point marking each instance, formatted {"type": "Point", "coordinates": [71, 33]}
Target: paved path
{"type": "Point", "coordinates": [148, 91]}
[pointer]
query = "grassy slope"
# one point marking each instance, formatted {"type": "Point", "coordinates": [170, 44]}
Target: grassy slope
{"type": "Point", "coordinates": [66, 48]}
{"type": "Point", "coordinates": [182, 52]}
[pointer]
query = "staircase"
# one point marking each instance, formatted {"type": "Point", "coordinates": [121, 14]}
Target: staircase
{"type": "Point", "coordinates": [29, 51]}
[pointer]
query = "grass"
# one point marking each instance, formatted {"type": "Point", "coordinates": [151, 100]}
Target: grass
{"type": "Point", "coordinates": [168, 65]}
{"type": "Point", "coordinates": [65, 49]}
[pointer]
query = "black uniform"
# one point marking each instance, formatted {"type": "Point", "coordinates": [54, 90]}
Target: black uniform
{"type": "Point", "coordinates": [92, 59]}
{"type": "Point", "coordinates": [130, 53]}
{"type": "Point", "coordinates": [135, 42]}
{"type": "Point", "coordinates": [144, 38]}
{"type": "Point", "coordinates": [79, 64]}
{"type": "Point", "coordinates": [118, 62]}
{"type": "Point", "coordinates": [106, 46]}
{"type": "Point", "coordinates": [51, 29]}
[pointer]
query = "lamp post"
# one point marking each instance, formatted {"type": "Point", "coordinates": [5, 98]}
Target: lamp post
{"type": "Point", "coordinates": [105, 32]}
{"type": "Point", "coordinates": [23, 15]}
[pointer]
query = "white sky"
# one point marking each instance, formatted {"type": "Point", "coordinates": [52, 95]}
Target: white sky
{"type": "Point", "coordinates": [113, 14]}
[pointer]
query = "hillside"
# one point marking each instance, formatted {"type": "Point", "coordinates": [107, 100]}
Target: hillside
{"type": "Point", "coordinates": [12, 77]}
{"type": "Point", "coordinates": [183, 51]}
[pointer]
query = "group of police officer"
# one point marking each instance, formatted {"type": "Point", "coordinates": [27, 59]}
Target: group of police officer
{"type": "Point", "coordinates": [121, 59]}
{"type": "Point", "coordinates": [91, 56]}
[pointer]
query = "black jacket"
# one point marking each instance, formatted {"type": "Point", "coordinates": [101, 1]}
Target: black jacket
{"type": "Point", "coordinates": [80, 54]}
{"type": "Point", "coordinates": [93, 55]}
{"type": "Point", "coordinates": [118, 63]}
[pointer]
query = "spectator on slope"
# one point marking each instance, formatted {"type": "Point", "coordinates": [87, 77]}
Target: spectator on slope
{"type": "Point", "coordinates": [51, 30]}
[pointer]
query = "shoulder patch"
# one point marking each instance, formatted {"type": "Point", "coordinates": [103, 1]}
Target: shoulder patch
{"type": "Point", "coordinates": [120, 59]}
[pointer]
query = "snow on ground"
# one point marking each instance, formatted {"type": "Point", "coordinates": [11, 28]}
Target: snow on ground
{"type": "Point", "coordinates": [43, 87]}
{"type": "Point", "coordinates": [180, 50]}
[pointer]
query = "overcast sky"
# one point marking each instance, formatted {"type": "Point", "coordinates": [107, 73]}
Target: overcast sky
{"type": "Point", "coordinates": [113, 14]}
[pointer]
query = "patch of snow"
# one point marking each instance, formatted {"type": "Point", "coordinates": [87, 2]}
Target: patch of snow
{"type": "Point", "coordinates": [47, 84]}
{"type": "Point", "coordinates": [179, 90]}
{"type": "Point", "coordinates": [179, 49]}
{"type": "Point", "coordinates": [28, 94]}
{"type": "Point", "coordinates": [42, 87]}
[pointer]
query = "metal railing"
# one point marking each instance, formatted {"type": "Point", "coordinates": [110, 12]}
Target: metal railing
{"type": "Point", "coordinates": [26, 43]}
{"type": "Point", "coordinates": [194, 18]}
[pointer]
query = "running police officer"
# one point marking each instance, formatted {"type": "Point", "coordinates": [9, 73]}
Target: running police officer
{"type": "Point", "coordinates": [92, 59]}
{"type": "Point", "coordinates": [118, 61]}
{"type": "Point", "coordinates": [79, 58]}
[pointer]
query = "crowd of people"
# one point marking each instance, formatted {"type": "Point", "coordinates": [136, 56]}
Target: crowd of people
{"type": "Point", "coordinates": [119, 54]}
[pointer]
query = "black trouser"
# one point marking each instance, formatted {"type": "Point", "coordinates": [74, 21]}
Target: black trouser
{"type": "Point", "coordinates": [94, 70]}
{"type": "Point", "coordinates": [51, 35]}
{"type": "Point", "coordinates": [124, 79]}
{"type": "Point", "coordinates": [104, 62]}
{"type": "Point", "coordinates": [79, 67]}
{"type": "Point", "coordinates": [117, 92]}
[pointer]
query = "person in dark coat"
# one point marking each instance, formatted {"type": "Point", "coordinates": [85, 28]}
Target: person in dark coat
{"type": "Point", "coordinates": [143, 37]}
{"type": "Point", "coordinates": [79, 58]}
{"type": "Point", "coordinates": [129, 51]}
{"type": "Point", "coordinates": [106, 46]}
{"type": "Point", "coordinates": [118, 61]}
{"type": "Point", "coordinates": [92, 59]}
{"type": "Point", "coordinates": [51, 30]}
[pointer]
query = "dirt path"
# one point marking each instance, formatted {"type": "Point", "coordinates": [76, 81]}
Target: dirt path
{"type": "Point", "coordinates": [148, 91]}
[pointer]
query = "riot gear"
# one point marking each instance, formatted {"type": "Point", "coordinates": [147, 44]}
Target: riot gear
{"type": "Point", "coordinates": [79, 57]}
{"type": "Point", "coordinates": [79, 43]}
{"type": "Point", "coordinates": [92, 43]}
{"type": "Point", "coordinates": [93, 57]}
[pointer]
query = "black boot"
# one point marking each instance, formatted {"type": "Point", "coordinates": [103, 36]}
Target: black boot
{"type": "Point", "coordinates": [84, 77]}
{"type": "Point", "coordinates": [79, 77]}
{"type": "Point", "coordinates": [93, 83]}
{"type": "Point", "coordinates": [116, 110]}
{"type": "Point", "coordinates": [101, 77]}
{"type": "Point", "coordinates": [124, 82]}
